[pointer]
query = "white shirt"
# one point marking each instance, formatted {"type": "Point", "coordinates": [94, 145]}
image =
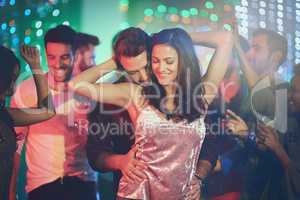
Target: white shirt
{"type": "Point", "coordinates": [56, 147]}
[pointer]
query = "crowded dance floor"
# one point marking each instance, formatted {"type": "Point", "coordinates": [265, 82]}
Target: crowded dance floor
{"type": "Point", "coordinates": [150, 100]}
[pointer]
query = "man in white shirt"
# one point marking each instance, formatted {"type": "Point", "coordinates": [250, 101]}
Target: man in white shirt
{"type": "Point", "coordinates": [55, 149]}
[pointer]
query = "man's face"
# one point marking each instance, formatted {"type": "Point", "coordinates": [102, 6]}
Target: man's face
{"type": "Point", "coordinates": [87, 57]}
{"type": "Point", "coordinates": [60, 61]}
{"type": "Point", "coordinates": [259, 54]}
{"type": "Point", "coordinates": [136, 67]}
{"type": "Point", "coordinates": [294, 94]}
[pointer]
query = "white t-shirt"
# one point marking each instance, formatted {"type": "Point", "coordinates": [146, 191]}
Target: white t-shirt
{"type": "Point", "coordinates": [56, 147]}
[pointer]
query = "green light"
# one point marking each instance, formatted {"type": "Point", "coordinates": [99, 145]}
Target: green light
{"type": "Point", "coordinates": [214, 17]}
{"type": "Point", "coordinates": [203, 13]}
{"type": "Point", "coordinates": [209, 5]}
{"type": "Point", "coordinates": [38, 24]}
{"type": "Point", "coordinates": [159, 14]}
{"type": "Point", "coordinates": [148, 12]}
{"type": "Point", "coordinates": [232, 2]}
{"type": "Point", "coordinates": [67, 23]}
{"type": "Point", "coordinates": [55, 12]}
{"type": "Point", "coordinates": [124, 2]}
{"type": "Point", "coordinates": [162, 8]}
{"type": "Point", "coordinates": [194, 11]}
{"type": "Point", "coordinates": [39, 33]}
{"type": "Point", "coordinates": [236, 2]}
{"type": "Point", "coordinates": [185, 13]}
{"type": "Point", "coordinates": [172, 10]}
{"type": "Point", "coordinates": [227, 27]}
{"type": "Point", "coordinates": [53, 25]}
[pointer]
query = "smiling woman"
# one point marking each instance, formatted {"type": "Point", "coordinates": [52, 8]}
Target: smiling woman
{"type": "Point", "coordinates": [165, 63]}
{"type": "Point", "coordinates": [148, 168]}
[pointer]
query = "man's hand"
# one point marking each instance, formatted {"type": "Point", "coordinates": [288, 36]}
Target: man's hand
{"type": "Point", "coordinates": [268, 137]}
{"type": "Point", "coordinates": [31, 55]}
{"type": "Point", "coordinates": [194, 192]}
{"type": "Point", "coordinates": [131, 168]}
{"type": "Point", "coordinates": [236, 124]}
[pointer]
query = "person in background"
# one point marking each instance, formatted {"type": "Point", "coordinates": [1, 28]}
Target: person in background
{"type": "Point", "coordinates": [85, 57]}
{"type": "Point", "coordinates": [222, 183]}
{"type": "Point", "coordinates": [284, 148]}
{"type": "Point", "coordinates": [85, 45]}
{"type": "Point", "coordinates": [55, 149]}
{"type": "Point", "coordinates": [11, 117]}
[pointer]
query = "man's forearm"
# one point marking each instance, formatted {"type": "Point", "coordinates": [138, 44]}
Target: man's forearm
{"type": "Point", "coordinates": [251, 76]}
{"type": "Point", "coordinates": [282, 156]}
{"type": "Point", "coordinates": [93, 74]}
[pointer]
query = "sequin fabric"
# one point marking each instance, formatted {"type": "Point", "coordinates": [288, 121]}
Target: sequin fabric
{"type": "Point", "coordinates": [170, 151]}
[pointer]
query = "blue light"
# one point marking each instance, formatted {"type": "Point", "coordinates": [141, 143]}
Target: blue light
{"type": "Point", "coordinates": [27, 40]}
{"type": "Point", "coordinates": [12, 2]}
{"type": "Point", "coordinates": [27, 12]}
{"type": "Point", "coordinates": [12, 30]}
{"type": "Point", "coordinates": [16, 41]}
{"type": "Point", "coordinates": [4, 26]}
{"type": "Point", "coordinates": [2, 3]}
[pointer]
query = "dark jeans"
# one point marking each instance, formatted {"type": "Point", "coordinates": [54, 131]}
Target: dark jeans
{"type": "Point", "coordinates": [66, 188]}
{"type": "Point", "coordinates": [6, 167]}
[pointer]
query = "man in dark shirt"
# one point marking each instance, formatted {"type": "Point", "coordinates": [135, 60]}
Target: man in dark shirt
{"type": "Point", "coordinates": [285, 149]}
{"type": "Point", "coordinates": [110, 132]}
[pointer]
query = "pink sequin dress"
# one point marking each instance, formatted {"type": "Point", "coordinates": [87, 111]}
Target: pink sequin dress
{"type": "Point", "coordinates": [171, 152]}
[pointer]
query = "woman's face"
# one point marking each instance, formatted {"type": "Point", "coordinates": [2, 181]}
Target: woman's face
{"type": "Point", "coordinates": [165, 63]}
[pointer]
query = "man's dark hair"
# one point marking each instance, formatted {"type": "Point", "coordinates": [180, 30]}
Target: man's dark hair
{"type": "Point", "coordinates": [276, 42]}
{"type": "Point", "coordinates": [130, 43]}
{"type": "Point", "coordinates": [61, 34]}
{"type": "Point", "coordinates": [84, 39]}
{"type": "Point", "coordinates": [8, 64]}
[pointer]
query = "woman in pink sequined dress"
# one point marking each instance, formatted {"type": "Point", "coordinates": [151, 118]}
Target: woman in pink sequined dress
{"type": "Point", "coordinates": [169, 128]}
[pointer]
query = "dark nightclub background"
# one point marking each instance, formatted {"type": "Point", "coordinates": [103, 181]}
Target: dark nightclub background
{"type": "Point", "coordinates": [26, 21]}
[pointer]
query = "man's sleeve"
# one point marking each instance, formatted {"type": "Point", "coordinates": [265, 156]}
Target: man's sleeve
{"type": "Point", "coordinates": [99, 138]}
{"type": "Point", "coordinates": [292, 180]}
{"type": "Point", "coordinates": [209, 150]}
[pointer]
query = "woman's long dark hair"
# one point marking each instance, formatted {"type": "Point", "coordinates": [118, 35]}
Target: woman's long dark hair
{"type": "Point", "coordinates": [8, 64]}
{"type": "Point", "coordinates": [188, 79]}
